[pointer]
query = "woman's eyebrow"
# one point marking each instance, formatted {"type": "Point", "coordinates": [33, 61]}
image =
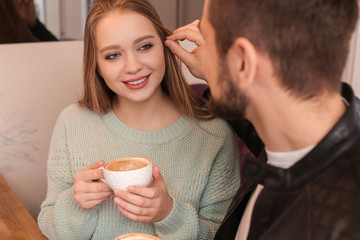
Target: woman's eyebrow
{"type": "Point", "coordinates": [117, 46]}
{"type": "Point", "coordinates": [111, 47]}
{"type": "Point", "coordinates": [143, 38]}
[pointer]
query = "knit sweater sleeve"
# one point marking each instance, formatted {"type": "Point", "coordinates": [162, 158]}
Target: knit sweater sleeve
{"type": "Point", "coordinates": [188, 222]}
{"type": "Point", "coordinates": [61, 217]}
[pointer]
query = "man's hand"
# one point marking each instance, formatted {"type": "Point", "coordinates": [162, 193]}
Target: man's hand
{"type": "Point", "coordinates": [192, 59]}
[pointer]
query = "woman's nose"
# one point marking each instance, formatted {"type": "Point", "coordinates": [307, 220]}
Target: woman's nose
{"type": "Point", "coordinates": [132, 64]}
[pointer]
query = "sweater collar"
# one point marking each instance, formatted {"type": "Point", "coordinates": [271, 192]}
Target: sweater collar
{"type": "Point", "coordinates": [342, 137]}
{"type": "Point", "coordinates": [117, 127]}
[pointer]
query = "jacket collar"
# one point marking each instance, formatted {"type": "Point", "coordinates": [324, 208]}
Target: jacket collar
{"type": "Point", "coordinates": [342, 137]}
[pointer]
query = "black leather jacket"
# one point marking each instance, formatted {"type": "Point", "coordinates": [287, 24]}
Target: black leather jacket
{"type": "Point", "coordinates": [317, 198]}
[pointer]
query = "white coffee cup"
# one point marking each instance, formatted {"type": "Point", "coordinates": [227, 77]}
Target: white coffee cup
{"type": "Point", "coordinates": [137, 236]}
{"type": "Point", "coordinates": [124, 172]}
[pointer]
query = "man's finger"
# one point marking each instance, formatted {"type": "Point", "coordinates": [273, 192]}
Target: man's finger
{"type": "Point", "coordinates": [189, 59]}
{"type": "Point", "coordinates": [188, 34]}
{"type": "Point", "coordinates": [179, 51]}
{"type": "Point", "coordinates": [192, 26]}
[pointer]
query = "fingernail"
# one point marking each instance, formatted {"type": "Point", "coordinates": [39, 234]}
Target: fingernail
{"type": "Point", "coordinates": [117, 192]}
{"type": "Point", "coordinates": [131, 188]}
{"type": "Point", "coordinates": [117, 200]}
{"type": "Point", "coordinates": [168, 43]}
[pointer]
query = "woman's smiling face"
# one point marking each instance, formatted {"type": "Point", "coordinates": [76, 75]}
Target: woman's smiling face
{"type": "Point", "coordinates": [130, 55]}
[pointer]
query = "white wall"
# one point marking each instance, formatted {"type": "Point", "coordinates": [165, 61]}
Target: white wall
{"type": "Point", "coordinates": [176, 13]}
{"type": "Point", "coordinates": [66, 18]}
{"type": "Point", "coordinates": [72, 18]}
{"type": "Point", "coordinates": [38, 80]}
{"type": "Point", "coordinates": [52, 16]}
{"type": "Point", "coordinates": [192, 10]}
{"type": "Point", "coordinates": [189, 46]}
{"type": "Point", "coordinates": [167, 11]}
{"type": "Point", "coordinates": [40, 10]}
{"type": "Point", "coordinates": [352, 72]}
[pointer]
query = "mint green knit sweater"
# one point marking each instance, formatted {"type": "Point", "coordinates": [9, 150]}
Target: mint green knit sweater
{"type": "Point", "coordinates": [198, 161]}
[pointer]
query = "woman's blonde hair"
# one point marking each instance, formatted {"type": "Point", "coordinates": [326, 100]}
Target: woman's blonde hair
{"type": "Point", "coordinates": [98, 96]}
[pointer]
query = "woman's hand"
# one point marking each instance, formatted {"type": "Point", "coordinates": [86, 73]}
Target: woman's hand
{"type": "Point", "coordinates": [145, 204]}
{"type": "Point", "coordinates": [88, 190]}
{"type": "Point", "coordinates": [192, 59]}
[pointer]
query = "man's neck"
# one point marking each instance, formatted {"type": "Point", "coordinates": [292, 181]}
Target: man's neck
{"type": "Point", "coordinates": [287, 123]}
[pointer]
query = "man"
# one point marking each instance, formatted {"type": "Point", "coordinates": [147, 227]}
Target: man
{"type": "Point", "coordinates": [279, 64]}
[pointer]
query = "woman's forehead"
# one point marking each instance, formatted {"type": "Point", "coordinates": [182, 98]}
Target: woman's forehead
{"type": "Point", "coordinates": [124, 25]}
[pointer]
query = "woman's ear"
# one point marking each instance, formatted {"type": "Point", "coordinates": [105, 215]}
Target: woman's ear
{"type": "Point", "coordinates": [242, 61]}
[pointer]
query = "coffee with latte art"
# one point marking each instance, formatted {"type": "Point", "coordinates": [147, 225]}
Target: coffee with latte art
{"type": "Point", "coordinates": [123, 172]}
{"type": "Point", "coordinates": [137, 236]}
{"type": "Point", "coordinates": [127, 164]}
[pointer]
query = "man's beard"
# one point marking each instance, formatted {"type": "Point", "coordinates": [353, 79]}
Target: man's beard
{"type": "Point", "coordinates": [232, 104]}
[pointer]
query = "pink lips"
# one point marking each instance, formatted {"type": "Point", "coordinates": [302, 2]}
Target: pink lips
{"type": "Point", "coordinates": [137, 83]}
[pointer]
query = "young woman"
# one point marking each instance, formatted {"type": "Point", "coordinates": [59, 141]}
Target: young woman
{"type": "Point", "coordinates": [137, 103]}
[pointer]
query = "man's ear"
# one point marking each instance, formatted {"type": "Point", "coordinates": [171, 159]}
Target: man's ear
{"type": "Point", "coordinates": [242, 61]}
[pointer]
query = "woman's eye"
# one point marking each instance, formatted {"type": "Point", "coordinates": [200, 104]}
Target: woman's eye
{"type": "Point", "coordinates": [146, 46]}
{"type": "Point", "coordinates": [112, 56]}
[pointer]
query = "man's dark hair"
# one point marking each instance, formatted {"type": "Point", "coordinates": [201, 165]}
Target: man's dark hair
{"type": "Point", "coordinates": [306, 40]}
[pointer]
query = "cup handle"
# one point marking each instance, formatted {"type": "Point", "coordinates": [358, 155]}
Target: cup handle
{"type": "Point", "coordinates": [101, 179]}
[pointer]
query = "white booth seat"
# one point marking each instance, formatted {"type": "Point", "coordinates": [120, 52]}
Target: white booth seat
{"type": "Point", "coordinates": [38, 80]}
